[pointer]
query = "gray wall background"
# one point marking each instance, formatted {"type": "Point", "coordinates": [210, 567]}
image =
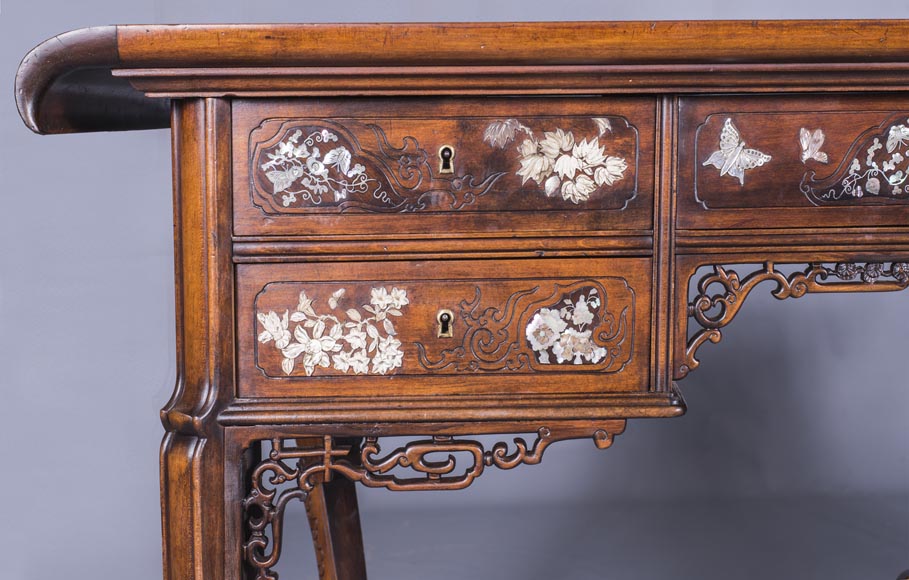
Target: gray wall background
{"type": "Point", "coordinates": [802, 398]}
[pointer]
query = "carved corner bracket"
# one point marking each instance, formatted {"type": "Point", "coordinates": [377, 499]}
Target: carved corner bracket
{"type": "Point", "coordinates": [714, 309]}
{"type": "Point", "coordinates": [290, 473]}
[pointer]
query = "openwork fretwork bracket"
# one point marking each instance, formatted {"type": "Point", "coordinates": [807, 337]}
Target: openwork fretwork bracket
{"type": "Point", "coordinates": [290, 473]}
{"type": "Point", "coordinates": [721, 293]}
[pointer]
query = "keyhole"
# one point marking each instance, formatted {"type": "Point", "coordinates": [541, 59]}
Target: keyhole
{"type": "Point", "coordinates": [446, 156]}
{"type": "Point", "coordinates": [446, 320]}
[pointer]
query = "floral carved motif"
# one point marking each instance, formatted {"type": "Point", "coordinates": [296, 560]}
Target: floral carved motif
{"type": "Point", "coordinates": [290, 473]}
{"type": "Point", "coordinates": [874, 171]}
{"type": "Point", "coordinates": [721, 293]}
{"type": "Point", "coordinates": [558, 162]}
{"type": "Point", "coordinates": [347, 340]}
{"type": "Point", "coordinates": [541, 329]}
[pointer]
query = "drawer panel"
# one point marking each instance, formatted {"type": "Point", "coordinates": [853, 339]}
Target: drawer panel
{"type": "Point", "coordinates": [358, 167]}
{"type": "Point", "coordinates": [516, 326]}
{"type": "Point", "coordinates": [795, 162]}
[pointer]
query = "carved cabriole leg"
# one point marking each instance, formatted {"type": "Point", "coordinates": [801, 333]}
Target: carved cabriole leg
{"type": "Point", "coordinates": [294, 472]}
{"type": "Point", "coordinates": [334, 519]}
{"type": "Point", "coordinates": [192, 454]}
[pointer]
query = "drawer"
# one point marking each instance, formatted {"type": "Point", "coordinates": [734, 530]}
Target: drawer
{"type": "Point", "coordinates": [806, 161]}
{"type": "Point", "coordinates": [361, 167]}
{"type": "Point", "coordinates": [377, 330]}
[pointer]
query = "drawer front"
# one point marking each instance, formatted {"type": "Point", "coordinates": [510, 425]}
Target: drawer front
{"type": "Point", "coordinates": [748, 162]}
{"type": "Point", "coordinates": [378, 329]}
{"type": "Point", "coordinates": [358, 167]}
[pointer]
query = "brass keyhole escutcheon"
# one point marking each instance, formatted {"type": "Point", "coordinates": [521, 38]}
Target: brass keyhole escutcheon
{"type": "Point", "coordinates": [446, 322]}
{"type": "Point", "coordinates": [446, 159]}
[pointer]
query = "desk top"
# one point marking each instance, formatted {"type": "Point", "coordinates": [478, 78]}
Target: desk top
{"type": "Point", "coordinates": [65, 84]}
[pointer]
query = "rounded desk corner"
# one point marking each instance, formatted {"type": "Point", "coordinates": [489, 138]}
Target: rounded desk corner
{"type": "Point", "coordinates": [65, 85]}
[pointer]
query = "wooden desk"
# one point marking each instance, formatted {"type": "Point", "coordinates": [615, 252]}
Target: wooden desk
{"type": "Point", "coordinates": [441, 231]}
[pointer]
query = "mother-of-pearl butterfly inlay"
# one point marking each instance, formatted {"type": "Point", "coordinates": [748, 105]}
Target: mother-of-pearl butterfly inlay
{"type": "Point", "coordinates": [733, 158]}
{"type": "Point", "coordinates": [811, 143]}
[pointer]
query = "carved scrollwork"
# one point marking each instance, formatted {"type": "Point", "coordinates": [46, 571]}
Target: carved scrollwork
{"type": "Point", "coordinates": [290, 473]}
{"type": "Point", "coordinates": [721, 293]}
{"type": "Point", "coordinates": [541, 329]}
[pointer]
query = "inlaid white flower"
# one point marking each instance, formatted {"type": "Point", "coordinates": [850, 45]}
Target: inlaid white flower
{"type": "Point", "coordinates": [544, 329]}
{"type": "Point", "coordinates": [558, 162]}
{"type": "Point", "coordinates": [535, 163]}
{"type": "Point", "coordinates": [576, 347]}
{"type": "Point", "coordinates": [324, 341]}
{"type": "Point", "coordinates": [564, 333]}
{"type": "Point", "coordinates": [581, 316]}
{"type": "Point", "coordinates": [275, 329]}
{"type": "Point", "coordinates": [388, 355]}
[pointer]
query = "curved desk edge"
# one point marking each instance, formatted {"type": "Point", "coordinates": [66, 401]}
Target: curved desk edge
{"type": "Point", "coordinates": [66, 84]}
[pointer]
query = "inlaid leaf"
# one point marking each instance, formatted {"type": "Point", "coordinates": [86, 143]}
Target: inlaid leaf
{"type": "Point", "coordinates": [281, 180]}
{"type": "Point", "coordinates": [603, 125]}
{"type": "Point", "coordinates": [501, 133]}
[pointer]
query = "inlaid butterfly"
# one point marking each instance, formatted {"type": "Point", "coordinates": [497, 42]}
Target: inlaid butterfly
{"type": "Point", "coordinates": [733, 158]}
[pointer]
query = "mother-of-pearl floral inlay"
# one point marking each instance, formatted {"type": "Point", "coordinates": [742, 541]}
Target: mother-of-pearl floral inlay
{"type": "Point", "coordinates": [361, 344]}
{"type": "Point", "coordinates": [564, 334]}
{"type": "Point", "coordinates": [882, 170]}
{"type": "Point", "coordinates": [558, 162]}
{"type": "Point", "coordinates": [296, 167]}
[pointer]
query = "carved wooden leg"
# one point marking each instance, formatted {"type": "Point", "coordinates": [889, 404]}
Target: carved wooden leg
{"type": "Point", "coordinates": [192, 508]}
{"type": "Point", "coordinates": [334, 518]}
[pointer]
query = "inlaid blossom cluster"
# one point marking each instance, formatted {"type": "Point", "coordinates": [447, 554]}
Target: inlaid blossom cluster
{"type": "Point", "coordinates": [323, 340]}
{"type": "Point", "coordinates": [558, 162]}
{"type": "Point", "coordinates": [565, 334]}
{"type": "Point", "coordinates": [296, 167]}
{"type": "Point", "coordinates": [882, 170]}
